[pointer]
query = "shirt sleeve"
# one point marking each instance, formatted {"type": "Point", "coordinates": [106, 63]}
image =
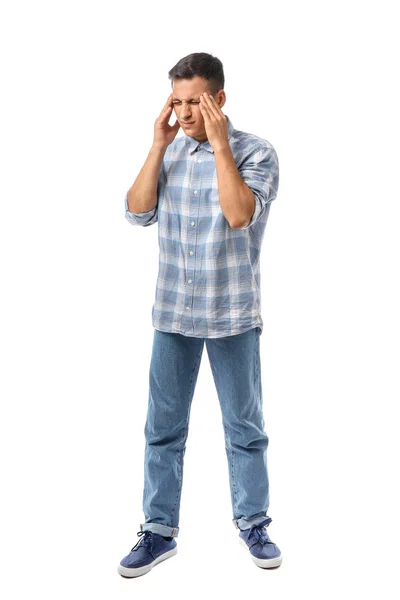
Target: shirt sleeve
{"type": "Point", "coordinates": [260, 172]}
{"type": "Point", "coordinates": [150, 217]}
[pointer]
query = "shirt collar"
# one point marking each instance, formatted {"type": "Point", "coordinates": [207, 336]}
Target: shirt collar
{"type": "Point", "coordinates": [193, 144]}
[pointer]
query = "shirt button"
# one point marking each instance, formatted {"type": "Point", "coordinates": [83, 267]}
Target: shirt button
{"type": "Point", "coordinates": [188, 307]}
{"type": "Point", "coordinates": [195, 192]}
{"type": "Point", "coordinates": [192, 223]}
{"type": "Point", "coordinates": [189, 281]}
{"type": "Point", "coordinates": [199, 160]}
{"type": "Point", "coordinates": [191, 252]}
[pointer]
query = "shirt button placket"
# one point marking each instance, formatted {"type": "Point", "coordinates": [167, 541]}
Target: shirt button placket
{"type": "Point", "coordinates": [187, 319]}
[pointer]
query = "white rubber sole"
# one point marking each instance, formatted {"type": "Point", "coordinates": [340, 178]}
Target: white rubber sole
{"type": "Point", "coordinates": [264, 563]}
{"type": "Point", "coordinates": [126, 572]}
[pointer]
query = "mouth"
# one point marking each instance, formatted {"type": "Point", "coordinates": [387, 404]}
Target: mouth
{"type": "Point", "coordinates": [187, 124]}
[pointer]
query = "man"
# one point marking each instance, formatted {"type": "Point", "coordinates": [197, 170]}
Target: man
{"type": "Point", "coordinates": [210, 191]}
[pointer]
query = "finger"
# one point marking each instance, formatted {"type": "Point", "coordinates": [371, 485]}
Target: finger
{"type": "Point", "coordinates": [165, 114]}
{"type": "Point", "coordinates": [207, 106]}
{"type": "Point", "coordinates": [203, 108]}
{"type": "Point", "coordinates": [217, 109]}
{"type": "Point", "coordinates": [211, 104]}
{"type": "Point", "coordinates": [168, 102]}
{"type": "Point", "coordinates": [167, 105]}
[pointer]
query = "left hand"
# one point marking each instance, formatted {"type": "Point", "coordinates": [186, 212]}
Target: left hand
{"type": "Point", "coordinates": [215, 122]}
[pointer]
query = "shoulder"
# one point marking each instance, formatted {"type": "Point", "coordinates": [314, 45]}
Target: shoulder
{"type": "Point", "coordinates": [250, 147]}
{"type": "Point", "coordinates": [242, 140]}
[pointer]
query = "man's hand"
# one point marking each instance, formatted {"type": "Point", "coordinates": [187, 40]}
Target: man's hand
{"type": "Point", "coordinates": [164, 134]}
{"type": "Point", "coordinates": [215, 122]}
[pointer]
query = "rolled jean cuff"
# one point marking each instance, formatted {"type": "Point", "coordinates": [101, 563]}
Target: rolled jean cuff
{"type": "Point", "coordinates": [163, 530]}
{"type": "Point", "coordinates": [247, 523]}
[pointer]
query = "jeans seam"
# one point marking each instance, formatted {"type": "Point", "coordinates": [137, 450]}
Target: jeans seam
{"type": "Point", "coordinates": [231, 453]}
{"type": "Point", "coordinates": [182, 442]}
{"type": "Point", "coordinates": [257, 379]}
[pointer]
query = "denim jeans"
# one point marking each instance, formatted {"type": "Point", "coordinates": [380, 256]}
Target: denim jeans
{"type": "Point", "coordinates": [235, 365]}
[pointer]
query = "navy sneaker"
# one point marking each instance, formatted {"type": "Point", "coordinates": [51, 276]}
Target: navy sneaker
{"type": "Point", "coordinates": [151, 549]}
{"type": "Point", "coordinates": [264, 553]}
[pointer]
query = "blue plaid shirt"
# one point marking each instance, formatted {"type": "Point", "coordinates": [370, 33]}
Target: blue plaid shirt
{"type": "Point", "coordinates": [208, 281]}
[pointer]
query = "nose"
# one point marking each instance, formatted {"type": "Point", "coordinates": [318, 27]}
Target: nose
{"type": "Point", "coordinates": [185, 112]}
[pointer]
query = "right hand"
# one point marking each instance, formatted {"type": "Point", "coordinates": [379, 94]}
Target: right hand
{"type": "Point", "coordinates": [164, 134]}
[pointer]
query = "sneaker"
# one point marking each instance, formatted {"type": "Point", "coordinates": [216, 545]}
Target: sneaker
{"type": "Point", "coordinates": [151, 549]}
{"type": "Point", "coordinates": [264, 553]}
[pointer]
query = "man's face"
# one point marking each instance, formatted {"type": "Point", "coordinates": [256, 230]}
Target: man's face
{"type": "Point", "coordinates": [186, 103]}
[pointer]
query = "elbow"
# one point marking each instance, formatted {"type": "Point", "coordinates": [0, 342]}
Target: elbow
{"type": "Point", "coordinates": [239, 224]}
{"type": "Point", "coordinates": [244, 221]}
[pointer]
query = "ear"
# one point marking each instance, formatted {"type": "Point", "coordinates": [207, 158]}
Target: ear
{"type": "Point", "coordinates": [221, 98]}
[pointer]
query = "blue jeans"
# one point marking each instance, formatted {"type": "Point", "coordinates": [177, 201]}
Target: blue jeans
{"type": "Point", "coordinates": [235, 365]}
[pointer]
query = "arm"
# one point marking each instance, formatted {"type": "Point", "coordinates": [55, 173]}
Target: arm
{"type": "Point", "coordinates": [236, 199]}
{"type": "Point", "coordinates": [142, 195]}
{"type": "Point", "coordinates": [141, 200]}
{"type": "Point", "coordinates": [244, 190]}
{"type": "Point", "coordinates": [259, 172]}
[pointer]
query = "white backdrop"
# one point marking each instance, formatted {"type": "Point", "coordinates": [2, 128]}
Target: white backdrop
{"type": "Point", "coordinates": [83, 83]}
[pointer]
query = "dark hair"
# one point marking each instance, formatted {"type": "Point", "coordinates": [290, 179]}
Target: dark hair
{"type": "Point", "coordinates": [202, 64]}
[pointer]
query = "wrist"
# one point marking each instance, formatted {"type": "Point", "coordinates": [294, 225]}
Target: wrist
{"type": "Point", "coordinates": [158, 147]}
{"type": "Point", "coordinates": [222, 149]}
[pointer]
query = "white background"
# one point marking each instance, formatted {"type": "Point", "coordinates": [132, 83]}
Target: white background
{"type": "Point", "coordinates": [82, 84]}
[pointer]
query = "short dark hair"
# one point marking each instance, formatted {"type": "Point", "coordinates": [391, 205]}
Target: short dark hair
{"type": "Point", "coordinates": [202, 64]}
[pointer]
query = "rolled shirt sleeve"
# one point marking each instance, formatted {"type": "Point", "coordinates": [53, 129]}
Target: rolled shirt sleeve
{"type": "Point", "coordinates": [144, 219]}
{"type": "Point", "coordinates": [260, 172]}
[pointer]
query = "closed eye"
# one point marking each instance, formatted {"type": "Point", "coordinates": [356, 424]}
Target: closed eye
{"type": "Point", "coordinates": [191, 102]}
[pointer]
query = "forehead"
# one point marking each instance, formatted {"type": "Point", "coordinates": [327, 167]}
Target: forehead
{"type": "Point", "coordinates": [188, 89]}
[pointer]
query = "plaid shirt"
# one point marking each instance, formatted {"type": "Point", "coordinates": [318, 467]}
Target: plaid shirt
{"type": "Point", "coordinates": [208, 282]}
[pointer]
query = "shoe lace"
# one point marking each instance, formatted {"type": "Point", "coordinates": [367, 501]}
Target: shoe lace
{"type": "Point", "coordinates": [258, 532]}
{"type": "Point", "coordinates": [145, 539]}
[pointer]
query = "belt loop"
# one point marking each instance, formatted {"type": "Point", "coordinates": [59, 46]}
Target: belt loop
{"type": "Point", "coordinates": [235, 521]}
{"type": "Point", "coordinates": [140, 527]}
{"type": "Point", "coordinates": [173, 532]}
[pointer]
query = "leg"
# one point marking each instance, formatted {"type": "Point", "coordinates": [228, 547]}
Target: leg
{"type": "Point", "coordinates": [235, 364]}
{"type": "Point", "coordinates": [174, 368]}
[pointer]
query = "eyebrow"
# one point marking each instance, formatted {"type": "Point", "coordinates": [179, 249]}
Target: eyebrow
{"type": "Point", "coordinates": [188, 100]}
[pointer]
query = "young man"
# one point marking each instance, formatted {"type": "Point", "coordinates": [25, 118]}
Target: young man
{"type": "Point", "coordinates": [210, 191]}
